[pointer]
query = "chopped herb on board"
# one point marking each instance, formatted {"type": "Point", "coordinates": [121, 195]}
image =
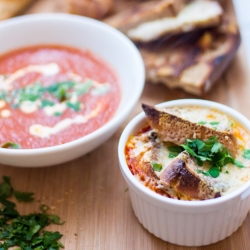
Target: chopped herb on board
{"type": "Point", "coordinates": [156, 166]}
{"type": "Point", "coordinates": [22, 196]}
{"type": "Point", "coordinates": [25, 232]}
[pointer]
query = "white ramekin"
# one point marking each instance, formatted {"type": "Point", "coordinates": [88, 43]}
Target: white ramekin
{"type": "Point", "coordinates": [187, 223]}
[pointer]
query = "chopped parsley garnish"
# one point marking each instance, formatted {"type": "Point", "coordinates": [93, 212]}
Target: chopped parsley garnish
{"type": "Point", "coordinates": [4, 96]}
{"type": "Point", "coordinates": [21, 196]}
{"type": "Point", "coordinates": [174, 151]}
{"type": "Point", "coordinates": [214, 123]}
{"type": "Point", "coordinates": [10, 144]}
{"type": "Point", "coordinates": [61, 90]}
{"type": "Point", "coordinates": [26, 232]}
{"type": "Point", "coordinates": [82, 89]}
{"type": "Point", "coordinates": [202, 122]}
{"type": "Point", "coordinates": [46, 103]}
{"type": "Point", "coordinates": [39, 96]}
{"type": "Point", "coordinates": [74, 105]}
{"type": "Point", "coordinates": [56, 114]}
{"type": "Point", "coordinates": [210, 151]}
{"type": "Point", "coordinates": [172, 154]}
{"type": "Point", "coordinates": [156, 166]}
{"type": "Point", "coordinates": [246, 154]}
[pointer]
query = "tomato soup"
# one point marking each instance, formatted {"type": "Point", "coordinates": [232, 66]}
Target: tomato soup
{"type": "Point", "coordinates": [51, 95]}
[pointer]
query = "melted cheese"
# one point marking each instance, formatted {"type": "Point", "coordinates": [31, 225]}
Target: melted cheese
{"type": "Point", "coordinates": [196, 114]}
{"type": "Point", "coordinates": [195, 13]}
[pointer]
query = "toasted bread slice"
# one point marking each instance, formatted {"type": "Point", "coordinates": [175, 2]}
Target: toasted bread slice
{"type": "Point", "coordinates": [194, 61]}
{"type": "Point", "coordinates": [144, 12]}
{"type": "Point", "coordinates": [172, 128]}
{"type": "Point", "coordinates": [182, 176]}
{"type": "Point", "coordinates": [97, 9]}
{"type": "Point", "coordinates": [197, 14]}
{"type": "Point", "coordinates": [151, 20]}
{"type": "Point", "coordinates": [9, 8]}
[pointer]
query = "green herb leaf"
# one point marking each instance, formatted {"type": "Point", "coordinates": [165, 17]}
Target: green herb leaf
{"type": "Point", "coordinates": [83, 88]}
{"type": "Point", "coordinates": [156, 166]}
{"type": "Point", "coordinates": [60, 90]}
{"type": "Point", "coordinates": [5, 188]}
{"type": "Point", "coordinates": [55, 219]}
{"type": "Point", "coordinates": [12, 145]}
{"type": "Point", "coordinates": [24, 196]}
{"type": "Point", "coordinates": [203, 172]}
{"type": "Point", "coordinates": [246, 154]}
{"type": "Point", "coordinates": [217, 147]}
{"type": "Point", "coordinates": [175, 149]}
{"type": "Point", "coordinates": [210, 151]}
{"type": "Point", "coordinates": [74, 105]}
{"type": "Point", "coordinates": [57, 113]}
{"type": "Point", "coordinates": [202, 122]}
{"type": "Point", "coordinates": [214, 171]}
{"type": "Point", "coordinates": [238, 164]}
{"type": "Point", "coordinates": [172, 154]}
{"type": "Point", "coordinates": [46, 103]}
{"type": "Point", "coordinates": [214, 123]}
{"type": "Point", "coordinates": [25, 232]}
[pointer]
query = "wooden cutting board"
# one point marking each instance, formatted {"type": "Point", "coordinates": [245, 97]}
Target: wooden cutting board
{"type": "Point", "coordinates": [90, 193]}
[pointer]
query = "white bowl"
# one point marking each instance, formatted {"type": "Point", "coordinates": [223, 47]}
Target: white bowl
{"type": "Point", "coordinates": [187, 223]}
{"type": "Point", "coordinates": [84, 33]}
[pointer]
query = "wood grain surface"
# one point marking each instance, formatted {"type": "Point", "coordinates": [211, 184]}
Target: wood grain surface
{"type": "Point", "coordinates": [89, 193]}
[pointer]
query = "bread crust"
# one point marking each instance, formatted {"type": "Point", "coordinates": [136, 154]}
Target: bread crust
{"type": "Point", "coordinates": [145, 11]}
{"type": "Point", "coordinates": [97, 9]}
{"type": "Point", "coordinates": [174, 129]}
{"type": "Point", "coordinates": [9, 8]}
{"type": "Point", "coordinates": [181, 175]}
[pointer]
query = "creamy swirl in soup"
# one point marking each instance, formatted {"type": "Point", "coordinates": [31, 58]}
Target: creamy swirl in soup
{"type": "Point", "coordinates": [51, 95]}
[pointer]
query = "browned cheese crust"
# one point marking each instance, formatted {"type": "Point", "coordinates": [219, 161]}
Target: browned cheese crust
{"type": "Point", "coordinates": [174, 129]}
